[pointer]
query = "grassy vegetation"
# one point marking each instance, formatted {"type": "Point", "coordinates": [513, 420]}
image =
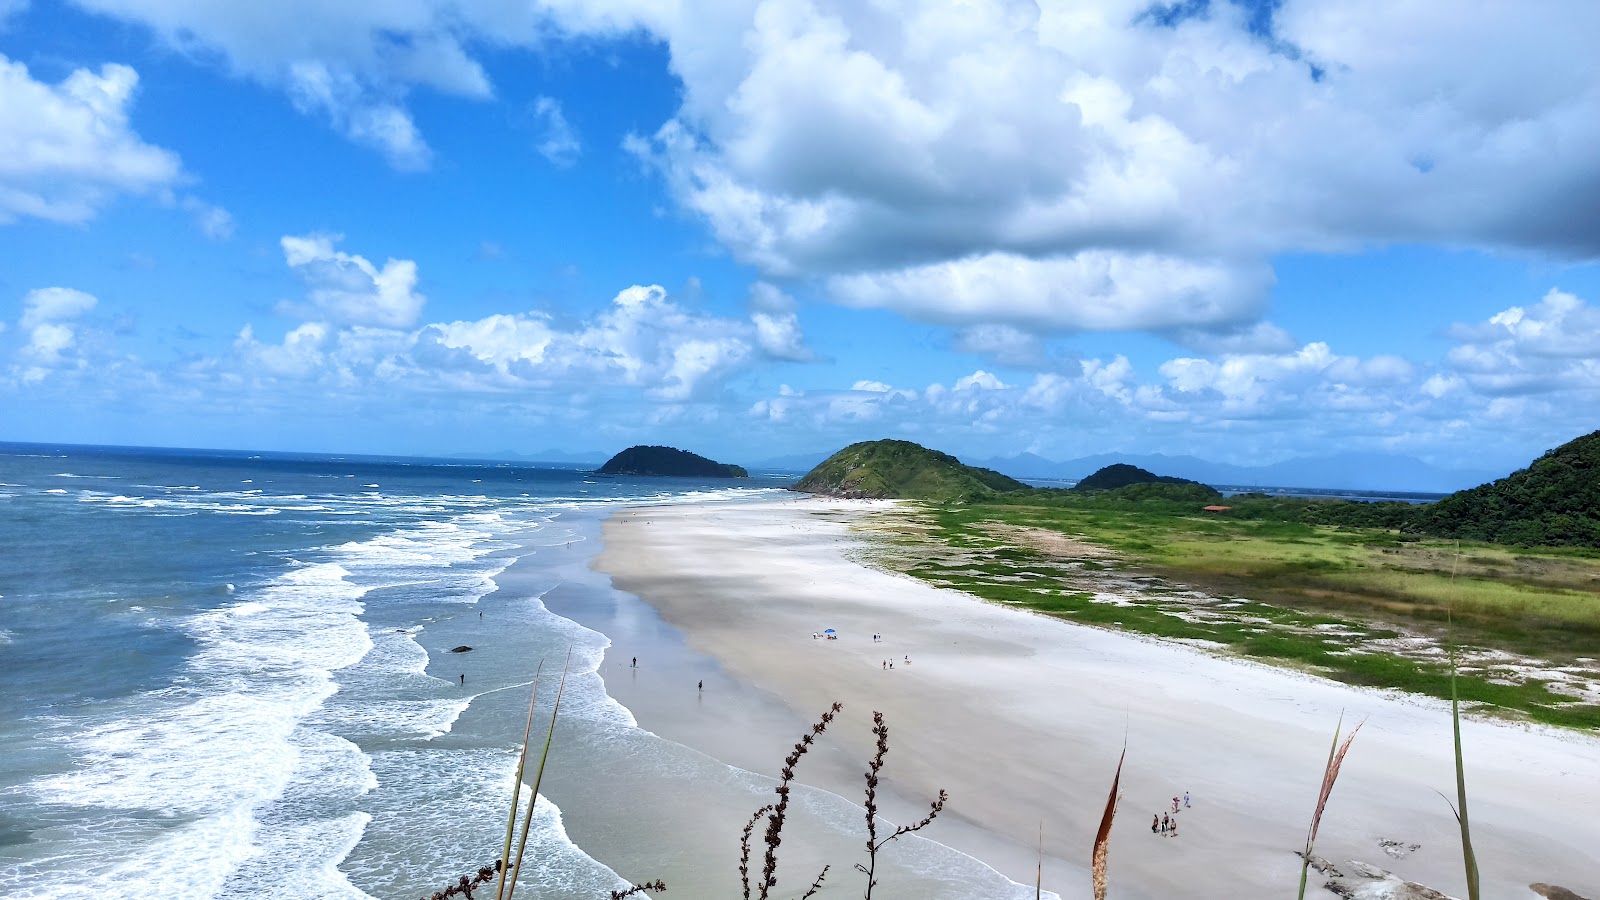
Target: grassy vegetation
{"type": "Point", "coordinates": [1287, 592]}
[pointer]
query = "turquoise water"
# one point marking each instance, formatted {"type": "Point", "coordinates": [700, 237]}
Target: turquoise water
{"type": "Point", "coordinates": [230, 675]}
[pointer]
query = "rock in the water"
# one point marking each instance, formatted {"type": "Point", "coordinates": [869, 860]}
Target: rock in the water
{"type": "Point", "coordinates": [1321, 865]}
{"type": "Point", "coordinates": [1368, 882]}
{"type": "Point", "coordinates": [1553, 892]}
{"type": "Point", "coordinates": [1397, 849]}
{"type": "Point", "coordinates": [461, 649]}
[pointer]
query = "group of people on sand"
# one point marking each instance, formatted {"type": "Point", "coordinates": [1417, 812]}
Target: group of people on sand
{"type": "Point", "coordinates": [1166, 824]}
{"type": "Point", "coordinates": [889, 663]}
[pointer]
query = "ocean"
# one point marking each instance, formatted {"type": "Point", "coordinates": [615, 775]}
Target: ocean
{"type": "Point", "coordinates": [231, 675]}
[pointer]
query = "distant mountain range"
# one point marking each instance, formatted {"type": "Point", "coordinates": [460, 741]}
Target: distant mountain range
{"type": "Point", "coordinates": [586, 457]}
{"type": "Point", "coordinates": [1343, 471]}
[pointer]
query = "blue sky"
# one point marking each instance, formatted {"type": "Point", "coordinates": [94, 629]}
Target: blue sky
{"type": "Point", "coordinates": [1247, 232]}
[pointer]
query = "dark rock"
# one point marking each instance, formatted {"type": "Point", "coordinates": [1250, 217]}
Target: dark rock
{"type": "Point", "coordinates": [1553, 892]}
{"type": "Point", "coordinates": [1397, 849]}
{"type": "Point", "coordinates": [1368, 882]}
{"type": "Point", "coordinates": [461, 649]}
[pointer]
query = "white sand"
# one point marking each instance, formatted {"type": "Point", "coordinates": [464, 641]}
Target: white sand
{"type": "Point", "coordinates": [1021, 718]}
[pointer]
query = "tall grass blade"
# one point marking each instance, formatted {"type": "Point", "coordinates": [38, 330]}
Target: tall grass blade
{"type": "Point", "coordinates": [1468, 858]}
{"type": "Point", "coordinates": [516, 787]}
{"type": "Point", "coordinates": [1102, 837]}
{"type": "Point", "coordinates": [538, 776]}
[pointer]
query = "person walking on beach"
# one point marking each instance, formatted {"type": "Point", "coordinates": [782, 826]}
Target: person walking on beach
{"type": "Point", "coordinates": [1165, 823]}
{"type": "Point", "coordinates": [886, 665]}
{"type": "Point", "coordinates": [701, 687]}
{"type": "Point", "coordinates": [1174, 804]}
{"type": "Point", "coordinates": [1172, 830]}
{"type": "Point", "coordinates": [463, 678]}
{"type": "Point", "coordinates": [908, 660]}
{"type": "Point", "coordinates": [1185, 799]}
{"type": "Point", "coordinates": [1155, 824]}
{"type": "Point", "coordinates": [635, 663]}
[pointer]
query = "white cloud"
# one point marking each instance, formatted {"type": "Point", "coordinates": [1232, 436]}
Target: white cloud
{"type": "Point", "coordinates": [316, 87]}
{"type": "Point", "coordinates": [49, 319]}
{"type": "Point", "coordinates": [949, 161]}
{"type": "Point", "coordinates": [979, 380]}
{"type": "Point", "coordinates": [838, 138]}
{"type": "Point", "coordinates": [1553, 345]}
{"type": "Point", "coordinates": [214, 222]}
{"type": "Point", "coordinates": [1005, 344]}
{"type": "Point", "coordinates": [347, 289]}
{"type": "Point", "coordinates": [778, 330]}
{"type": "Point", "coordinates": [558, 143]}
{"type": "Point", "coordinates": [54, 304]}
{"type": "Point", "coordinates": [67, 150]}
{"type": "Point", "coordinates": [1091, 291]}
{"type": "Point", "coordinates": [641, 341]}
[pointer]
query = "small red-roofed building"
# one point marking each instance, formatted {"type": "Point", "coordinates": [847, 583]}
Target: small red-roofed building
{"type": "Point", "coordinates": [1218, 508]}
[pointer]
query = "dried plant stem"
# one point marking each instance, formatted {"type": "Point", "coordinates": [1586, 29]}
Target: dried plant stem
{"type": "Point", "coordinates": [816, 885]}
{"type": "Point", "coordinates": [744, 848]}
{"type": "Point", "coordinates": [516, 786]}
{"type": "Point", "coordinates": [779, 811]}
{"type": "Point", "coordinates": [1330, 774]}
{"type": "Point", "coordinates": [527, 819]}
{"type": "Point", "coordinates": [1038, 873]}
{"type": "Point", "coordinates": [881, 730]}
{"type": "Point", "coordinates": [1102, 837]}
{"type": "Point", "coordinates": [658, 886]}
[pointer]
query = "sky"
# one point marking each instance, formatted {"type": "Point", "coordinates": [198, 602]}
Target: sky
{"type": "Point", "coordinates": [1246, 231]}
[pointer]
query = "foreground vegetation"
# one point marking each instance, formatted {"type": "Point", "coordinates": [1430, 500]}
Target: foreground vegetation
{"type": "Point", "coordinates": [1357, 604]}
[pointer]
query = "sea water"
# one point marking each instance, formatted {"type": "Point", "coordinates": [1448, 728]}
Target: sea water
{"type": "Point", "coordinates": [231, 675]}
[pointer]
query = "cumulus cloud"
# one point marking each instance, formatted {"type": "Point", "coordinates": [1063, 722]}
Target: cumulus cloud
{"type": "Point", "coordinates": [54, 304]}
{"type": "Point", "coordinates": [1067, 167]}
{"type": "Point", "coordinates": [49, 317]}
{"type": "Point", "coordinates": [66, 150]}
{"type": "Point", "coordinates": [1056, 168]}
{"type": "Point", "coordinates": [1552, 345]}
{"type": "Point", "coordinates": [1091, 291]}
{"type": "Point", "coordinates": [558, 143]}
{"type": "Point", "coordinates": [778, 330]}
{"type": "Point", "coordinates": [1005, 344]}
{"type": "Point", "coordinates": [642, 340]}
{"type": "Point", "coordinates": [348, 289]}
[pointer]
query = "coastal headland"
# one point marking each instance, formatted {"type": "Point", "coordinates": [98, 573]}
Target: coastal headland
{"type": "Point", "coordinates": [1021, 717]}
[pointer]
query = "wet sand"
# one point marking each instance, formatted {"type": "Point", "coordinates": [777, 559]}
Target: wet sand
{"type": "Point", "coordinates": [1022, 717]}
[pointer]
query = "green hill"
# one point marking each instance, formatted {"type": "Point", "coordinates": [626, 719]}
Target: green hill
{"type": "Point", "coordinates": [1554, 501]}
{"type": "Point", "coordinates": [668, 461]}
{"type": "Point", "coordinates": [901, 469]}
{"type": "Point", "coordinates": [1121, 475]}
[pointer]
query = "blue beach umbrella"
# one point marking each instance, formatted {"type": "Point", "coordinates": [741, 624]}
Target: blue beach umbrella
{"type": "Point", "coordinates": [830, 631]}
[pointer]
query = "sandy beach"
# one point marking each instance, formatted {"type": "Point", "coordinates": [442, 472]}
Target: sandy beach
{"type": "Point", "coordinates": [1021, 718]}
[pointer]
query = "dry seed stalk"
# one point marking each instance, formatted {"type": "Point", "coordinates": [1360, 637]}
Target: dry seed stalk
{"type": "Point", "coordinates": [1102, 837]}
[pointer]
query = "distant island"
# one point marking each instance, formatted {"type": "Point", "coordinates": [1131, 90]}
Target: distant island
{"type": "Point", "coordinates": [1120, 475]}
{"type": "Point", "coordinates": [651, 460]}
{"type": "Point", "coordinates": [890, 469]}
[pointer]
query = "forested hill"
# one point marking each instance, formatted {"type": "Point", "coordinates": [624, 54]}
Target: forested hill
{"type": "Point", "coordinates": [1120, 475]}
{"type": "Point", "coordinates": [668, 461]}
{"type": "Point", "coordinates": [1554, 501]}
{"type": "Point", "coordinates": [901, 469]}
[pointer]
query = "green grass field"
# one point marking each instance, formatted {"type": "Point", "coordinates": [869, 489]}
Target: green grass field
{"type": "Point", "coordinates": [1331, 600]}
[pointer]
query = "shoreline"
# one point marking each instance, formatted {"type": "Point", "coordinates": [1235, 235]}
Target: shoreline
{"type": "Point", "coordinates": [748, 583]}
